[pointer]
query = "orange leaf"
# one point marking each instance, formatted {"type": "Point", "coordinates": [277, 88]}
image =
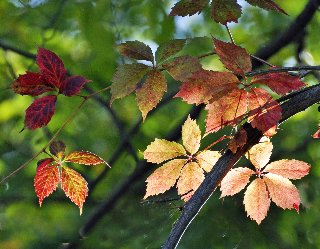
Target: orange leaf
{"type": "Point", "coordinates": [282, 191]}
{"type": "Point", "coordinates": [46, 179]}
{"type": "Point", "coordinates": [191, 136]}
{"type": "Point", "coordinates": [163, 178]}
{"type": "Point", "coordinates": [84, 157]}
{"type": "Point", "coordinates": [74, 186]}
{"type": "Point", "coordinates": [207, 159]}
{"type": "Point", "coordinates": [259, 155]}
{"type": "Point", "coordinates": [291, 169]}
{"type": "Point", "coordinates": [239, 140]}
{"type": "Point", "coordinates": [236, 180]}
{"type": "Point", "coordinates": [161, 150]}
{"type": "Point", "coordinates": [256, 200]}
{"type": "Point", "coordinates": [317, 134]}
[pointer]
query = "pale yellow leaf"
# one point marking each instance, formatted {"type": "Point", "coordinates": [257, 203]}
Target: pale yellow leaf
{"type": "Point", "coordinates": [259, 155]}
{"type": "Point", "coordinates": [191, 135]}
{"type": "Point", "coordinates": [207, 159]}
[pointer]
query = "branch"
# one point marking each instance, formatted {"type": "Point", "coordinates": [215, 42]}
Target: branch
{"type": "Point", "coordinates": [282, 69]}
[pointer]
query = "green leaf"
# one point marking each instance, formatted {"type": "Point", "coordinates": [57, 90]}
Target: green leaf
{"type": "Point", "coordinates": [136, 50]}
{"type": "Point", "coordinates": [224, 11]}
{"type": "Point", "coordinates": [169, 49]}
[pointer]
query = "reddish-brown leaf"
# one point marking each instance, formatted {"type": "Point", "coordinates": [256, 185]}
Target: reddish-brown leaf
{"type": "Point", "coordinates": [236, 180]}
{"type": "Point", "coordinates": [163, 178]}
{"type": "Point", "coordinates": [151, 92]}
{"type": "Point", "coordinates": [169, 49]}
{"type": "Point", "coordinates": [282, 191]}
{"type": "Point", "coordinates": [74, 186]}
{"type": "Point", "coordinates": [280, 83]}
{"type": "Point", "coordinates": [136, 50]}
{"type": "Point", "coordinates": [266, 4]}
{"type": "Point", "coordinates": [84, 157]}
{"type": "Point", "coordinates": [72, 85]}
{"type": "Point", "coordinates": [40, 112]}
{"type": "Point", "coordinates": [51, 67]}
{"type": "Point", "coordinates": [57, 148]}
{"type": "Point", "coordinates": [259, 155]}
{"type": "Point", "coordinates": [317, 134]}
{"type": "Point", "coordinates": [181, 68]}
{"type": "Point", "coordinates": [188, 7]}
{"type": "Point", "coordinates": [256, 200]}
{"type": "Point", "coordinates": [207, 159]}
{"type": "Point", "coordinates": [239, 140]}
{"type": "Point", "coordinates": [291, 169]}
{"type": "Point", "coordinates": [32, 84]}
{"type": "Point", "coordinates": [205, 85]}
{"type": "Point", "coordinates": [46, 179]}
{"type": "Point", "coordinates": [190, 179]}
{"type": "Point", "coordinates": [161, 150]}
{"type": "Point", "coordinates": [228, 110]}
{"type": "Point", "coordinates": [234, 58]}
{"type": "Point", "coordinates": [191, 136]}
{"type": "Point", "coordinates": [224, 11]}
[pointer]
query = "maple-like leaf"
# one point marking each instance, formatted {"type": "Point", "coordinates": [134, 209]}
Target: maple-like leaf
{"type": "Point", "coordinates": [291, 169]}
{"type": "Point", "coordinates": [126, 78]}
{"type": "Point", "coordinates": [224, 11]}
{"type": "Point", "coordinates": [74, 186]}
{"type": "Point", "coordinates": [207, 159]}
{"type": "Point", "coordinates": [57, 148]}
{"type": "Point", "coordinates": [40, 112]}
{"type": "Point", "coordinates": [266, 4]}
{"type": "Point", "coordinates": [51, 67]}
{"type": "Point", "coordinates": [205, 85]}
{"type": "Point", "coordinates": [136, 50]}
{"type": "Point", "coordinates": [191, 136]}
{"type": "Point", "coordinates": [168, 49]}
{"type": "Point", "coordinates": [256, 200]}
{"type": "Point", "coordinates": [72, 85]}
{"type": "Point", "coordinates": [227, 110]}
{"type": "Point", "coordinates": [239, 140]}
{"type": "Point", "coordinates": [151, 92]}
{"type": "Point", "coordinates": [280, 83]}
{"type": "Point", "coordinates": [165, 177]}
{"type": "Point", "coordinates": [234, 58]}
{"type": "Point", "coordinates": [46, 179]}
{"type": "Point", "coordinates": [259, 155]}
{"type": "Point", "coordinates": [236, 180]}
{"type": "Point", "coordinates": [161, 150]}
{"type": "Point", "coordinates": [84, 157]}
{"type": "Point", "coordinates": [188, 7]}
{"type": "Point", "coordinates": [317, 134]}
{"type": "Point", "coordinates": [32, 84]}
{"type": "Point", "coordinates": [182, 68]}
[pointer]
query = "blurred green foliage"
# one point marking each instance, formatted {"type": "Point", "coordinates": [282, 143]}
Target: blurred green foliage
{"type": "Point", "coordinates": [83, 33]}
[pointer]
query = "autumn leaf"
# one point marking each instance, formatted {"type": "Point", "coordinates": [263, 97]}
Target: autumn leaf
{"type": "Point", "coordinates": [234, 58]}
{"type": "Point", "coordinates": [207, 159]}
{"type": "Point", "coordinates": [136, 50]}
{"type": "Point", "coordinates": [259, 154]}
{"type": "Point", "coordinates": [266, 4]}
{"type": "Point", "coordinates": [84, 157]}
{"type": "Point", "coordinates": [291, 169]}
{"type": "Point", "coordinates": [239, 140]}
{"type": "Point", "coordinates": [46, 179]}
{"type": "Point", "coordinates": [151, 92]}
{"type": "Point", "coordinates": [72, 85]}
{"type": "Point", "coordinates": [168, 49]}
{"type": "Point", "coordinates": [280, 83]}
{"type": "Point", "coordinates": [188, 7]}
{"type": "Point", "coordinates": [191, 136]}
{"type": "Point", "coordinates": [40, 112]}
{"type": "Point", "coordinates": [74, 186]}
{"type": "Point", "coordinates": [57, 148]}
{"type": "Point", "coordinates": [317, 134]}
{"type": "Point", "coordinates": [224, 11]}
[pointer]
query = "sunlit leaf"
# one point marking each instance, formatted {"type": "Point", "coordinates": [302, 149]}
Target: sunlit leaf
{"type": "Point", "coordinates": [259, 155]}
{"type": "Point", "coordinates": [207, 159]}
{"type": "Point", "coordinates": [191, 136]}
{"type": "Point", "coordinates": [291, 169]}
{"type": "Point", "coordinates": [84, 157]}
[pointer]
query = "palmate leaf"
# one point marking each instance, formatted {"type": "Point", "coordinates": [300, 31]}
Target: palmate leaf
{"type": "Point", "coordinates": [188, 7]}
{"type": "Point", "coordinates": [168, 49]}
{"type": "Point", "coordinates": [291, 169]}
{"type": "Point", "coordinates": [224, 11]}
{"type": "Point", "coordinates": [57, 148]}
{"type": "Point", "coordinates": [191, 136]}
{"type": "Point", "coordinates": [259, 155]}
{"type": "Point", "coordinates": [72, 85]}
{"type": "Point", "coordinates": [84, 157]}
{"type": "Point", "coordinates": [136, 50]}
{"type": "Point", "coordinates": [266, 4]}
{"type": "Point", "coordinates": [207, 159]}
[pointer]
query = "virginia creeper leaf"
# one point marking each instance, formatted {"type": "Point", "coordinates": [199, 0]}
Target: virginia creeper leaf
{"type": "Point", "coordinates": [136, 50]}
{"type": "Point", "coordinates": [72, 85]}
{"type": "Point", "coordinates": [161, 150]}
{"type": "Point", "coordinates": [32, 84]}
{"type": "Point", "coordinates": [165, 177]}
{"type": "Point", "coordinates": [291, 169]}
{"type": "Point", "coordinates": [282, 191]}
{"type": "Point", "coordinates": [236, 180]}
{"type": "Point", "coordinates": [57, 148]}
{"type": "Point", "coordinates": [40, 112]}
{"type": "Point", "coordinates": [46, 179]}
{"type": "Point", "coordinates": [280, 83]}
{"type": "Point", "coordinates": [51, 67]}
{"type": "Point", "coordinates": [205, 85]}
{"type": "Point", "coordinates": [207, 159]}
{"type": "Point", "coordinates": [256, 200]}
{"type": "Point", "coordinates": [259, 155]}
{"type": "Point", "coordinates": [151, 92]}
{"type": "Point", "coordinates": [224, 11]}
{"type": "Point", "coordinates": [317, 134]}
{"type": "Point", "coordinates": [266, 4]}
{"type": "Point", "coordinates": [126, 78]}
{"type": "Point", "coordinates": [169, 49]}
{"type": "Point", "coordinates": [191, 136]}
{"type": "Point", "coordinates": [188, 7]}
{"type": "Point", "coordinates": [234, 58]}
{"type": "Point", "coordinates": [181, 68]}
{"type": "Point", "coordinates": [74, 186]}
{"type": "Point", "coordinates": [239, 140]}
{"type": "Point", "coordinates": [83, 157]}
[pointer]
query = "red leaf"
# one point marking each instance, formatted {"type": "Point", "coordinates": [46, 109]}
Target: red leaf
{"type": "Point", "coordinates": [74, 186]}
{"type": "Point", "coordinates": [317, 134]}
{"type": "Point", "coordinates": [235, 58]}
{"type": "Point", "coordinates": [40, 112]}
{"type": "Point", "coordinates": [72, 85]}
{"type": "Point", "coordinates": [51, 67]}
{"type": "Point", "coordinates": [84, 157]}
{"type": "Point", "coordinates": [188, 7]}
{"type": "Point", "coordinates": [205, 85]}
{"type": "Point", "coordinates": [32, 84]}
{"type": "Point", "coordinates": [57, 148]}
{"type": "Point", "coordinates": [239, 140]}
{"type": "Point", "coordinates": [280, 83]}
{"type": "Point", "coordinates": [224, 11]}
{"type": "Point", "coordinates": [266, 4]}
{"type": "Point", "coordinates": [46, 179]}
